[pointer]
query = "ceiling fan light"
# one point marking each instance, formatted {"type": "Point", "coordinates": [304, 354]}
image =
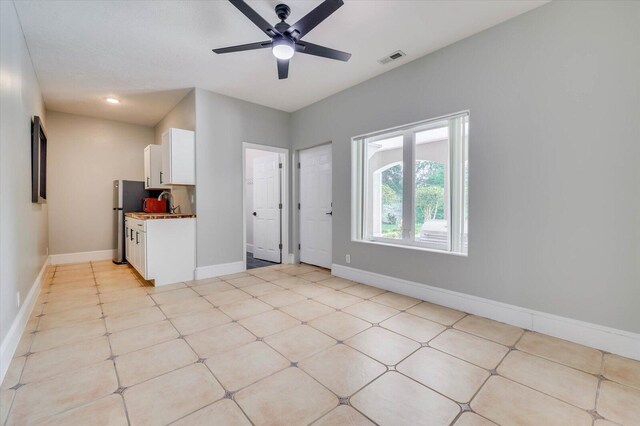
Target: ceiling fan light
{"type": "Point", "coordinates": [283, 49]}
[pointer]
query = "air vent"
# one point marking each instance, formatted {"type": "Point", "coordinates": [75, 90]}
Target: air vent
{"type": "Point", "coordinates": [392, 57]}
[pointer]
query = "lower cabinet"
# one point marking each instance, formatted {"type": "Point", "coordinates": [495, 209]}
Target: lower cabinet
{"type": "Point", "coordinates": [162, 250]}
{"type": "Point", "coordinates": [135, 248]}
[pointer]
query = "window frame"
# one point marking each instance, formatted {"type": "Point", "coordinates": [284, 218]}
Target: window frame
{"type": "Point", "coordinates": [454, 181]}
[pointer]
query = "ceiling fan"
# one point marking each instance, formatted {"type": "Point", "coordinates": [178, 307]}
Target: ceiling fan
{"type": "Point", "coordinates": [285, 38]}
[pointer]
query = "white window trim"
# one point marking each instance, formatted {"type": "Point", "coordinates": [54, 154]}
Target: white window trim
{"type": "Point", "coordinates": [455, 182]}
{"type": "Point", "coordinates": [400, 244]}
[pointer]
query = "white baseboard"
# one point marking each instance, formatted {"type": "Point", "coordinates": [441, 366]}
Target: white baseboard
{"type": "Point", "coordinates": [12, 339]}
{"type": "Point", "coordinates": [249, 248]}
{"type": "Point", "coordinates": [210, 271]}
{"type": "Point", "coordinates": [289, 260]}
{"type": "Point", "coordinates": [609, 339]}
{"type": "Point", "coordinates": [85, 256]}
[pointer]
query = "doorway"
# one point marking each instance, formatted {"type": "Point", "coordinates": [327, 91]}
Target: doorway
{"type": "Point", "coordinates": [316, 207]}
{"type": "Point", "coordinates": [265, 205]}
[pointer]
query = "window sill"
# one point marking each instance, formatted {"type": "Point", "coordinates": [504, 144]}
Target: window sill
{"type": "Point", "coordinates": [411, 247]}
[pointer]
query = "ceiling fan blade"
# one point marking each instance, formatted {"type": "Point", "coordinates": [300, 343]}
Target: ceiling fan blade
{"type": "Point", "coordinates": [243, 47]}
{"type": "Point", "coordinates": [325, 52]}
{"type": "Point", "coordinates": [283, 68]}
{"type": "Point", "coordinates": [313, 18]}
{"type": "Point", "coordinates": [247, 11]}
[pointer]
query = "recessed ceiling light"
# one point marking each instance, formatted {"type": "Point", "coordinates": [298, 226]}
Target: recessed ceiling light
{"type": "Point", "coordinates": [112, 101]}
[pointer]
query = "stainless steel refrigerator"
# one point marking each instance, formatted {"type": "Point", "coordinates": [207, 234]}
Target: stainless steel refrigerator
{"type": "Point", "coordinates": [127, 197]}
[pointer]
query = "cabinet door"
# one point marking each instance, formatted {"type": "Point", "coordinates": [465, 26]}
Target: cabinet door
{"type": "Point", "coordinates": [183, 157]}
{"type": "Point", "coordinates": [131, 246]}
{"type": "Point", "coordinates": [127, 244]}
{"type": "Point", "coordinates": [178, 157]}
{"type": "Point", "coordinates": [142, 255]}
{"type": "Point", "coordinates": [166, 155]}
{"type": "Point", "coordinates": [157, 177]}
{"type": "Point", "coordinates": [136, 250]}
{"type": "Point", "coordinates": [147, 167]}
{"type": "Point", "coordinates": [154, 176]}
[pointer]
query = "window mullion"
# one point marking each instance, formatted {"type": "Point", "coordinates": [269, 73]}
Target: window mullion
{"type": "Point", "coordinates": [357, 192]}
{"type": "Point", "coordinates": [365, 196]}
{"type": "Point", "coordinates": [456, 177]}
{"type": "Point", "coordinates": [408, 196]}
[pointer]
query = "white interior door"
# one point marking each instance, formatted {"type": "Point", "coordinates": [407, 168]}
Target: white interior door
{"type": "Point", "coordinates": [266, 208]}
{"type": "Point", "coordinates": [315, 206]}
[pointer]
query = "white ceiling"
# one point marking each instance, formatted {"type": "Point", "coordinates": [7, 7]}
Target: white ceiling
{"type": "Point", "coordinates": [149, 54]}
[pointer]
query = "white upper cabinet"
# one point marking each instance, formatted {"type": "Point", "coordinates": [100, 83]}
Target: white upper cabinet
{"type": "Point", "coordinates": [153, 167]}
{"type": "Point", "coordinates": [178, 157]}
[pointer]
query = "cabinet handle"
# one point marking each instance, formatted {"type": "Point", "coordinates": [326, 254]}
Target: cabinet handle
{"type": "Point", "coordinates": [147, 180]}
{"type": "Point", "coordinates": [137, 234]}
{"type": "Point", "coordinates": [131, 234]}
{"type": "Point", "coordinates": [160, 177]}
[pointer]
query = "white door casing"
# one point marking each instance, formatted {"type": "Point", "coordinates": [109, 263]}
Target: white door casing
{"type": "Point", "coordinates": [316, 206]}
{"type": "Point", "coordinates": [266, 208]}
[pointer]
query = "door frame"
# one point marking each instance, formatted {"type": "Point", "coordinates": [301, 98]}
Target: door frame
{"type": "Point", "coordinates": [296, 223]}
{"type": "Point", "coordinates": [284, 195]}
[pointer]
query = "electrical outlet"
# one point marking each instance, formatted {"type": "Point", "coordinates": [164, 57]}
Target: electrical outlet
{"type": "Point", "coordinates": [47, 251]}
{"type": "Point", "coordinates": [193, 198]}
{"type": "Point", "coordinates": [348, 258]}
{"type": "Point", "coordinates": [18, 298]}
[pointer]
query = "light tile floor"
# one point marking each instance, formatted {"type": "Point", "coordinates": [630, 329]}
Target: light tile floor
{"type": "Point", "coordinates": [292, 345]}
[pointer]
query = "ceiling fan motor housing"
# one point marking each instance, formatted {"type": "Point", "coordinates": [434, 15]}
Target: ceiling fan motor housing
{"type": "Point", "coordinates": [283, 11]}
{"type": "Point", "coordinates": [282, 27]}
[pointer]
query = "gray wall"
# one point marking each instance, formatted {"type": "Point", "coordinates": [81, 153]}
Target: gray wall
{"type": "Point", "coordinates": [554, 211]}
{"type": "Point", "coordinates": [23, 225]}
{"type": "Point", "coordinates": [222, 125]}
{"type": "Point", "coordinates": [85, 156]}
{"type": "Point", "coordinates": [182, 116]}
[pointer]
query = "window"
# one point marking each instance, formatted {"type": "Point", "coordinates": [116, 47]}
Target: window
{"type": "Point", "coordinates": [410, 185]}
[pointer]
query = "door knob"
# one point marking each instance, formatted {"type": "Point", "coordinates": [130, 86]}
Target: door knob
{"type": "Point", "coordinates": [330, 213]}
{"type": "Point", "coordinates": [255, 213]}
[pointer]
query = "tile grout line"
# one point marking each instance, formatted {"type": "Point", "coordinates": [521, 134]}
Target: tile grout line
{"type": "Point", "coordinates": [263, 378]}
{"type": "Point", "coordinates": [425, 344]}
{"type": "Point", "coordinates": [493, 371]}
{"type": "Point", "coordinates": [236, 391]}
{"type": "Point", "coordinates": [598, 376]}
{"type": "Point", "coordinates": [26, 355]}
{"type": "Point", "coordinates": [339, 342]}
{"type": "Point", "coordinates": [95, 284]}
{"type": "Point", "coordinates": [72, 408]}
{"type": "Point", "coordinates": [203, 363]}
{"type": "Point", "coordinates": [597, 398]}
{"type": "Point", "coordinates": [514, 349]}
{"type": "Point", "coordinates": [111, 357]}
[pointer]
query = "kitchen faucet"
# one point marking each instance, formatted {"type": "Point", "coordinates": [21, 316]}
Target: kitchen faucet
{"type": "Point", "coordinates": [169, 197]}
